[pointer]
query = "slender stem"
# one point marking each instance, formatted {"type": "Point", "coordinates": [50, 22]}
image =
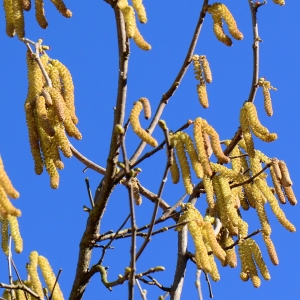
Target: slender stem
{"type": "Point", "coordinates": [107, 184]}
{"type": "Point", "coordinates": [55, 283]}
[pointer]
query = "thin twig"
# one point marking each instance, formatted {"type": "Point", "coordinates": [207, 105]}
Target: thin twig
{"type": "Point", "coordinates": [161, 187]}
{"type": "Point", "coordinates": [142, 292]}
{"type": "Point", "coordinates": [114, 237]}
{"type": "Point", "coordinates": [88, 163]}
{"type": "Point", "coordinates": [198, 284]}
{"type": "Point", "coordinates": [209, 285]}
{"type": "Point", "coordinates": [87, 182]}
{"type": "Point", "coordinates": [55, 283]}
{"type": "Point", "coordinates": [18, 275]}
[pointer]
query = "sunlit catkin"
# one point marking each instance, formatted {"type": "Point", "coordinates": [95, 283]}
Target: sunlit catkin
{"type": "Point", "coordinates": [271, 249]}
{"type": "Point", "coordinates": [277, 185]}
{"type": "Point", "coordinates": [135, 189]}
{"type": "Point", "coordinates": [4, 235]}
{"type": "Point", "coordinates": [40, 13]}
{"type": "Point", "coordinates": [33, 273]}
{"type": "Point", "coordinates": [18, 18]}
{"type": "Point", "coordinates": [136, 126]}
{"type": "Point", "coordinates": [15, 233]}
{"type": "Point", "coordinates": [50, 278]}
{"type": "Point", "coordinates": [204, 160]}
{"type": "Point", "coordinates": [274, 205]}
{"type": "Point", "coordinates": [61, 7]}
{"type": "Point", "coordinates": [130, 21]}
{"type": "Point", "coordinates": [41, 113]}
{"type": "Point", "coordinates": [67, 87]}
{"type": "Point", "coordinates": [140, 41]}
{"type": "Point", "coordinates": [209, 194]}
{"type": "Point", "coordinates": [215, 142]}
{"type": "Point", "coordinates": [140, 9]}
{"type": "Point", "coordinates": [190, 148]}
{"type": "Point", "coordinates": [6, 204]}
{"type": "Point", "coordinates": [280, 2]}
{"type": "Point", "coordinates": [9, 17]}
{"type": "Point", "coordinates": [6, 184]}
{"type": "Point", "coordinates": [146, 106]}
{"type": "Point", "coordinates": [289, 193]}
{"type": "Point", "coordinates": [184, 166]}
{"type": "Point", "coordinates": [258, 129]}
{"type": "Point", "coordinates": [206, 69]}
{"type": "Point", "coordinates": [247, 136]}
{"type": "Point", "coordinates": [285, 175]}
{"type": "Point", "coordinates": [219, 31]}
{"type": "Point", "coordinates": [26, 4]}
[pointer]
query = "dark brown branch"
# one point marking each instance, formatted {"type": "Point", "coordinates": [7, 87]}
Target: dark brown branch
{"type": "Point", "coordinates": [107, 185]}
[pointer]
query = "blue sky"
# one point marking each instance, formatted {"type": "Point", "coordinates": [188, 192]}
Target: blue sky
{"type": "Point", "coordinates": [53, 221]}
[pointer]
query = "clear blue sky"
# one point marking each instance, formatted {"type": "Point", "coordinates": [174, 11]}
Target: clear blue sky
{"type": "Point", "coordinates": [53, 221]}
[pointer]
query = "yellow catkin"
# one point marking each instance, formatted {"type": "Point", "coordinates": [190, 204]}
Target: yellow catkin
{"type": "Point", "coordinates": [62, 141]}
{"type": "Point", "coordinates": [67, 87]}
{"type": "Point", "coordinates": [135, 188]}
{"type": "Point", "coordinates": [130, 21]}
{"type": "Point", "coordinates": [207, 144]}
{"type": "Point", "coordinates": [280, 2]}
{"type": "Point", "coordinates": [214, 245]}
{"type": "Point", "coordinates": [34, 140]}
{"type": "Point", "coordinates": [190, 148]}
{"type": "Point", "coordinates": [209, 194]}
{"type": "Point", "coordinates": [9, 17]}
{"type": "Point", "coordinates": [247, 263]}
{"type": "Point", "coordinates": [285, 179]}
{"type": "Point", "coordinates": [140, 41]}
{"type": "Point", "coordinates": [204, 160]}
{"type": "Point", "coordinates": [4, 235]}
{"type": "Point", "coordinates": [215, 142]}
{"type": "Point", "coordinates": [33, 273]}
{"type": "Point", "coordinates": [197, 66]}
{"type": "Point", "coordinates": [122, 4]}
{"type": "Point", "coordinates": [258, 259]}
{"type": "Point", "coordinates": [7, 206]}
{"type": "Point", "coordinates": [6, 184]}
{"type": "Point", "coordinates": [260, 209]}
{"type": "Point", "coordinates": [146, 106]}
{"type": "Point", "coordinates": [247, 136]}
{"type": "Point", "coordinates": [231, 258]}
{"type": "Point", "coordinates": [267, 100]}
{"type": "Point", "coordinates": [290, 195]}
{"type": "Point", "coordinates": [136, 126]}
{"type": "Point", "coordinates": [206, 69]}
{"type": "Point", "coordinates": [61, 7]}
{"type": "Point", "coordinates": [258, 129]}
{"type": "Point", "coordinates": [50, 278]}
{"type": "Point", "coordinates": [277, 185]}
{"type": "Point", "coordinates": [276, 168]}
{"type": "Point", "coordinates": [202, 94]}
{"type": "Point", "coordinates": [248, 191]}
{"type": "Point", "coordinates": [184, 166]}
{"type": "Point", "coordinates": [174, 168]}
{"type": "Point", "coordinates": [18, 18]}
{"type": "Point", "coordinates": [228, 200]}
{"type": "Point", "coordinates": [271, 249]}
{"type": "Point", "coordinates": [40, 14]}
{"type": "Point", "coordinates": [55, 78]}
{"type": "Point", "coordinates": [41, 113]}
{"type": "Point", "coordinates": [26, 4]}
{"type": "Point", "coordinates": [140, 9]}
{"type": "Point", "coordinates": [274, 205]}
{"type": "Point", "coordinates": [219, 31]}
{"type": "Point", "coordinates": [47, 97]}
{"type": "Point", "coordinates": [57, 103]}
{"type": "Point", "coordinates": [15, 233]}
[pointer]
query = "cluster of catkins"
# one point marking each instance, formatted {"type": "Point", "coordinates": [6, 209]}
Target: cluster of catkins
{"type": "Point", "coordinates": [203, 74]}
{"type": "Point", "coordinates": [34, 283]}
{"type": "Point", "coordinates": [14, 14]}
{"type": "Point", "coordinates": [8, 213]}
{"type": "Point", "coordinates": [228, 190]}
{"type": "Point", "coordinates": [50, 114]}
{"type": "Point", "coordinates": [130, 21]}
{"type": "Point", "coordinates": [220, 12]}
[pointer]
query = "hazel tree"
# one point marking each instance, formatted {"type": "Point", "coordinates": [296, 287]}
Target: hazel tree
{"type": "Point", "coordinates": [152, 193]}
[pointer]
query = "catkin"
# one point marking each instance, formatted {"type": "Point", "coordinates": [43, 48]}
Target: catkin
{"type": "Point", "coordinates": [4, 235]}
{"type": "Point", "coordinates": [135, 188]}
{"type": "Point", "coordinates": [247, 136]}
{"type": "Point", "coordinates": [285, 175]}
{"type": "Point", "coordinates": [140, 9]}
{"type": "Point", "coordinates": [140, 41]}
{"type": "Point", "coordinates": [26, 4]}
{"type": "Point", "coordinates": [40, 13]}
{"type": "Point", "coordinates": [15, 233]}
{"type": "Point", "coordinates": [203, 158]}
{"type": "Point", "coordinates": [290, 195]}
{"type": "Point", "coordinates": [280, 2]}
{"type": "Point", "coordinates": [136, 126]}
{"type": "Point", "coordinates": [277, 185]}
{"type": "Point", "coordinates": [271, 249]}
{"type": "Point", "coordinates": [184, 166]}
{"type": "Point", "coordinates": [9, 17]}
{"type": "Point", "coordinates": [61, 7]}
{"type": "Point", "coordinates": [50, 278]}
{"type": "Point", "coordinates": [146, 106]}
{"type": "Point", "coordinates": [32, 272]}
{"type": "Point", "coordinates": [6, 184]}
{"type": "Point", "coordinates": [18, 18]}
{"type": "Point", "coordinates": [206, 69]}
